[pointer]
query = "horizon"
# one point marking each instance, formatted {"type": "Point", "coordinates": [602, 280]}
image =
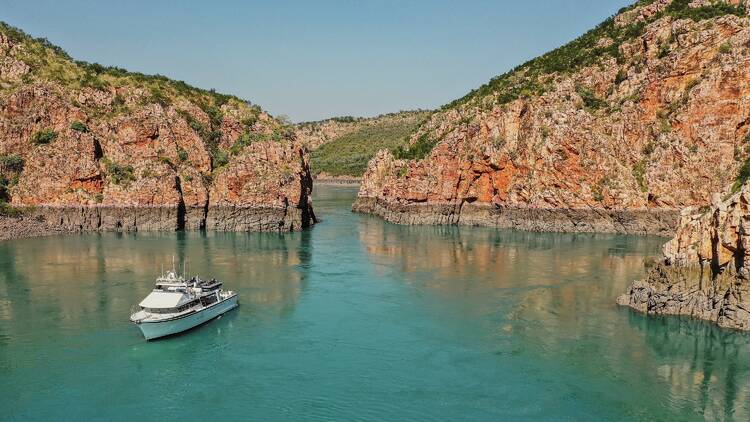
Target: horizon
{"type": "Point", "coordinates": [316, 62]}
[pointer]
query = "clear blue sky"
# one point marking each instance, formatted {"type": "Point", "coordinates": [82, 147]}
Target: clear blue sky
{"type": "Point", "coordinates": [317, 58]}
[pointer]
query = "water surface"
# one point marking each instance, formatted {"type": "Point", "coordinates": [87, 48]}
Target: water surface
{"type": "Point", "coordinates": [358, 320]}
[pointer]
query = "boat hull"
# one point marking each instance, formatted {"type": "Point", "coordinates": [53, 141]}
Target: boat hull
{"type": "Point", "coordinates": [157, 329]}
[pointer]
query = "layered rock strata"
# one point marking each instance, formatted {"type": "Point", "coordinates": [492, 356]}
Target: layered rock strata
{"type": "Point", "coordinates": [84, 147]}
{"type": "Point", "coordinates": [704, 269]}
{"type": "Point", "coordinates": [616, 132]}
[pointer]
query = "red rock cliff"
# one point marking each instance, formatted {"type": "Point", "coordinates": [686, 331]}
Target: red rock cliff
{"type": "Point", "coordinates": [101, 148]}
{"type": "Point", "coordinates": [704, 270]}
{"type": "Point", "coordinates": [617, 131]}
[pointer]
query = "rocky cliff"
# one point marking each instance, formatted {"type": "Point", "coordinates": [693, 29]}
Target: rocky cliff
{"type": "Point", "coordinates": [704, 270]}
{"type": "Point", "coordinates": [616, 131]}
{"type": "Point", "coordinates": [86, 147]}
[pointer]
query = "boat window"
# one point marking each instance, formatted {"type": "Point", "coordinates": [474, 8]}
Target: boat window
{"type": "Point", "coordinates": [160, 310]}
{"type": "Point", "coordinates": [172, 310]}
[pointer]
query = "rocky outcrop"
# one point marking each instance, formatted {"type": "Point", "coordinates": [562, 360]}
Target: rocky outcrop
{"type": "Point", "coordinates": [654, 222]}
{"type": "Point", "coordinates": [648, 114]}
{"type": "Point", "coordinates": [704, 271]}
{"type": "Point", "coordinates": [83, 147]}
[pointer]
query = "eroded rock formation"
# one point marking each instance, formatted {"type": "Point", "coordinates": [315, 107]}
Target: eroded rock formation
{"type": "Point", "coordinates": [83, 147]}
{"type": "Point", "coordinates": [704, 270]}
{"type": "Point", "coordinates": [616, 132]}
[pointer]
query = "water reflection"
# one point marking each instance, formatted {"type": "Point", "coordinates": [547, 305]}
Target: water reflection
{"type": "Point", "coordinates": [359, 319]}
{"type": "Point", "coordinates": [75, 280]}
{"type": "Point", "coordinates": [706, 368]}
{"type": "Point", "coordinates": [460, 259]}
{"type": "Point", "coordinates": [551, 297]}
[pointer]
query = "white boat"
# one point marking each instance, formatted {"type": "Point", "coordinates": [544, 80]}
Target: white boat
{"type": "Point", "coordinates": [176, 305]}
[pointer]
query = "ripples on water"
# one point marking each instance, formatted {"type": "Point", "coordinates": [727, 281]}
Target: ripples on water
{"type": "Point", "coordinates": [358, 319]}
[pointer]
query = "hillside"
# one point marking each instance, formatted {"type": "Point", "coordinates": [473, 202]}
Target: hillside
{"type": "Point", "coordinates": [100, 148]}
{"type": "Point", "coordinates": [616, 131]}
{"type": "Point", "coordinates": [342, 146]}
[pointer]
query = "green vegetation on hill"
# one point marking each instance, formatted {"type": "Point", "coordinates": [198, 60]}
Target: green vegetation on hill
{"type": "Point", "coordinates": [528, 79]}
{"type": "Point", "coordinates": [349, 154]}
{"type": "Point", "coordinates": [536, 76]}
{"type": "Point", "coordinates": [50, 62]}
{"type": "Point", "coordinates": [43, 137]}
{"type": "Point", "coordinates": [416, 151]}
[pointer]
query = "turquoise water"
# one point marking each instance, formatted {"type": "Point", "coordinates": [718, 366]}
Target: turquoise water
{"type": "Point", "coordinates": [358, 320]}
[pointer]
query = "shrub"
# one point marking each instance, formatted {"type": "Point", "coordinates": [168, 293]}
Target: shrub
{"type": "Point", "coordinates": [167, 161]}
{"type": "Point", "coordinates": [649, 148]}
{"type": "Point", "coordinates": [249, 121]}
{"type": "Point", "coordinates": [344, 119]}
{"type": "Point", "coordinates": [680, 9]}
{"type": "Point", "coordinates": [118, 101]}
{"type": "Point", "coordinates": [664, 125]}
{"type": "Point", "coordinates": [663, 51]}
{"type": "Point", "coordinates": [590, 100]}
{"type": "Point", "coordinates": [43, 137]}
{"type": "Point", "coordinates": [725, 48]}
{"type": "Point", "coordinates": [79, 126]}
{"type": "Point", "coordinates": [418, 150]}
{"type": "Point", "coordinates": [119, 174]}
{"type": "Point", "coordinates": [220, 158]}
{"type": "Point", "coordinates": [182, 154]}
{"type": "Point", "coordinates": [742, 176]}
{"type": "Point", "coordinates": [11, 162]}
{"type": "Point", "coordinates": [157, 97]}
{"type": "Point", "coordinates": [621, 76]}
{"type": "Point", "coordinates": [246, 139]}
{"type": "Point", "coordinates": [639, 172]}
{"type": "Point", "coordinates": [596, 193]}
{"type": "Point", "coordinates": [9, 210]}
{"type": "Point", "coordinates": [215, 116]}
{"type": "Point", "coordinates": [92, 80]}
{"type": "Point", "coordinates": [4, 195]}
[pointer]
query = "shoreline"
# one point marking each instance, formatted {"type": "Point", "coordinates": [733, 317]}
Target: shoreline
{"type": "Point", "coordinates": [636, 222]}
{"type": "Point", "coordinates": [338, 182]}
{"type": "Point", "coordinates": [691, 291]}
{"type": "Point", "coordinates": [40, 221]}
{"type": "Point", "coordinates": [24, 227]}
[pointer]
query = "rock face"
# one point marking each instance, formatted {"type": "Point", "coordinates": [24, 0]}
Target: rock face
{"type": "Point", "coordinates": [610, 133]}
{"type": "Point", "coordinates": [704, 272]}
{"type": "Point", "coordinates": [83, 147]}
